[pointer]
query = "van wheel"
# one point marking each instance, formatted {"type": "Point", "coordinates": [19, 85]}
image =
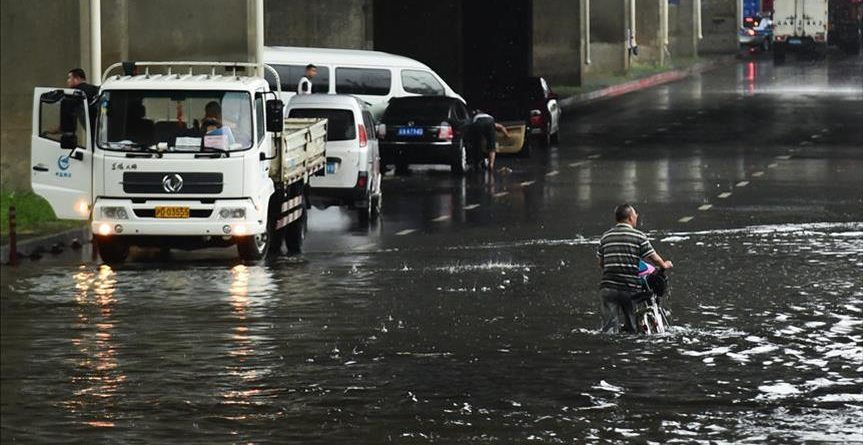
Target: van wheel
{"type": "Point", "coordinates": [113, 250]}
{"type": "Point", "coordinates": [459, 163]}
{"type": "Point", "coordinates": [253, 248]}
{"type": "Point", "coordinates": [295, 234]}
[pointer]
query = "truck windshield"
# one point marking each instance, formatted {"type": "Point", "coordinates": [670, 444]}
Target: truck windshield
{"type": "Point", "coordinates": [181, 121]}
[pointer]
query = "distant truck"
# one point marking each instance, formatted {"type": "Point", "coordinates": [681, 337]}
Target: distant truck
{"type": "Point", "coordinates": [800, 26]}
{"type": "Point", "coordinates": [846, 25]}
{"type": "Point", "coordinates": [177, 159]}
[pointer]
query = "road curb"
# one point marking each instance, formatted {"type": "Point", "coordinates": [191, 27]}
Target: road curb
{"type": "Point", "coordinates": [640, 84]}
{"type": "Point", "coordinates": [45, 242]}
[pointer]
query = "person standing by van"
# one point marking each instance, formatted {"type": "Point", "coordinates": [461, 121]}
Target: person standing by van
{"type": "Point", "coordinates": [305, 84]}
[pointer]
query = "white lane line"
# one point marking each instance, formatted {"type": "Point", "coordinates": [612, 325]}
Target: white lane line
{"type": "Point", "coordinates": [595, 156]}
{"type": "Point", "coordinates": [783, 157]}
{"type": "Point", "coordinates": [406, 232]}
{"type": "Point", "coordinates": [528, 183]}
{"type": "Point", "coordinates": [723, 195]}
{"type": "Point", "coordinates": [686, 219]}
{"type": "Point", "coordinates": [773, 165]}
{"type": "Point", "coordinates": [628, 141]}
{"type": "Point", "coordinates": [471, 206]}
{"type": "Point", "coordinates": [757, 174]}
{"type": "Point", "coordinates": [552, 173]}
{"type": "Point", "coordinates": [365, 246]}
{"type": "Point", "coordinates": [661, 130]}
{"type": "Point", "coordinates": [705, 207]}
{"type": "Point", "coordinates": [500, 194]}
{"type": "Point", "coordinates": [576, 164]}
{"type": "Point", "coordinates": [815, 136]}
{"type": "Point", "coordinates": [742, 184]}
{"type": "Point", "coordinates": [441, 218]}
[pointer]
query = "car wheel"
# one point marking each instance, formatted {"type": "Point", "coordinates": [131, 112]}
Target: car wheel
{"type": "Point", "coordinates": [113, 250]}
{"type": "Point", "coordinates": [459, 163]}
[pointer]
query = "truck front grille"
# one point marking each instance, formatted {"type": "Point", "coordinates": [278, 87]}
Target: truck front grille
{"type": "Point", "coordinates": [161, 183]}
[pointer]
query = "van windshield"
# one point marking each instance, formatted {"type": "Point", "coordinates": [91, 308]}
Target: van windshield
{"type": "Point", "coordinates": [181, 121]}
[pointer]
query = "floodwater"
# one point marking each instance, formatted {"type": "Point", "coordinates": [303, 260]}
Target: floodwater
{"type": "Point", "coordinates": [469, 314]}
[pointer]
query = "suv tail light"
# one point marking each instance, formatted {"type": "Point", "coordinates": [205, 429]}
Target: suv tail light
{"type": "Point", "coordinates": [445, 132]}
{"type": "Point", "coordinates": [382, 131]}
{"type": "Point", "coordinates": [362, 180]}
{"type": "Point", "coordinates": [364, 138]}
{"type": "Point", "coordinates": [536, 118]}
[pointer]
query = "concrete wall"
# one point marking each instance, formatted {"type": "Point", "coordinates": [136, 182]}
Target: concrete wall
{"type": "Point", "coordinates": [322, 23]}
{"type": "Point", "coordinates": [557, 41]}
{"type": "Point", "coordinates": [719, 26]}
{"type": "Point", "coordinates": [607, 39]}
{"type": "Point", "coordinates": [30, 56]}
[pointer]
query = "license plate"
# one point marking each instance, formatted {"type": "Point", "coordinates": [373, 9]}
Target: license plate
{"type": "Point", "coordinates": [332, 167]}
{"type": "Point", "coordinates": [410, 131]}
{"type": "Point", "coordinates": [794, 41]}
{"type": "Point", "coordinates": [172, 212]}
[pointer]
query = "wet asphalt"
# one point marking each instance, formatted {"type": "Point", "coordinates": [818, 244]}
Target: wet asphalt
{"type": "Point", "coordinates": [468, 313]}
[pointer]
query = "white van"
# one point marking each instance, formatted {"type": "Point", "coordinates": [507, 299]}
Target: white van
{"type": "Point", "coordinates": [373, 76]}
{"type": "Point", "coordinates": [353, 174]}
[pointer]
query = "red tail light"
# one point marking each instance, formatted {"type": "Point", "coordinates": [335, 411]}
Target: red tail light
{"type": "Point", "coordinates": [364, 138]}
{"type": "Point", "coordinates": [537, 119]}
{"type": "Point", "coordinates": [445, 132]}
{"type": "Point", "coordinates": [362, 180]}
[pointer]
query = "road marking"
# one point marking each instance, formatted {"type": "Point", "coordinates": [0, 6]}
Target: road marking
{"type": "Point", "coordinates": [441, 218]}
{"type": "Point", "coordinates": [661, 130]}
{"type": "Point", "coordinates": [595, 156]}
{"type": "Point", "coordinates": [406, 232]}
{"type": "Point", "coordinates": [628, 141]}
{"type": "Point", "coordinates": [815, 136]}
{"type": "Point", "coordinates": [723, 195]}
{"type": "Point", "coordinates": [365, 246]}
{"type": "Point", "coordinates": [825, 130]}
{"type": "Point", "coordinates": [528, 183]}
{"type": "Point", "coordinates": [552, 173]}
{"type": "Point", "coordinates": [773, 165]}
{"type": "Point", "coordinates": [757, 174]}
{"type": "Point", "coordinates": [705, 207]}
{"type": "Point", "coordinates": [576, 164]}
{"type": "Point", "coordinates": [686, 219]}
{"type": "Point", "coordinates": [783, 157]}
{"type": "Point", "coordinates": [500, 194]}
{"type": "Point", "coordinates": [471, 206]}
{"type": "Point", "coordinates": [742, 184]}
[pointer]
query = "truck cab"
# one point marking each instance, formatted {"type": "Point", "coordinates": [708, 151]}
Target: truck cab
{"type": "Point", "coordinates": [172, 160]}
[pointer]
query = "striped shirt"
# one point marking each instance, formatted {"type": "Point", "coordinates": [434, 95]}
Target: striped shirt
{"type": "Point", "coordinates": [620, 250]}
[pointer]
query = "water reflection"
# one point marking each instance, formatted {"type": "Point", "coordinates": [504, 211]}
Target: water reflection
{"type": "Point", "coordinates": [99, 376]}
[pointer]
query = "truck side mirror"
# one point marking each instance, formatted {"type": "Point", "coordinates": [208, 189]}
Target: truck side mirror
{"type": "Point", "coordinates": [275, 115]}
{"type": "Point", "coordinates": [70, 108]}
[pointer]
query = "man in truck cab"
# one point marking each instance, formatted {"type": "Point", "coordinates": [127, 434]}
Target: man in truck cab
{"type": "Point", "coordinates": [216, 134]}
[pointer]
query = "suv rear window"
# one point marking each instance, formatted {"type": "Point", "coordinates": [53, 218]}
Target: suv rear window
{"type": "Point", "coordinates": [418, 109]}
{"type": "Point", "coordinates": [341, 126]}
{"type": "Point", "coordinates": [372, 82]}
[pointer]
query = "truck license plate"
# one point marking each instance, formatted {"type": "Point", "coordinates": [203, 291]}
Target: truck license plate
{"type": "Point", "coordinates": [794, 41]}
{"type": "Point", "coordinates": [172, 212]}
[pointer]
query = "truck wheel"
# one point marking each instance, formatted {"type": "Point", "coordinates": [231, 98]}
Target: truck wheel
{"type": "Point", "coordinates": [778, 53]}
{"type": "Point", "coordinates": [113, 250]}
{"type": "Point", "coordinates": [295, 234]}
{"type": "Point", "coordinates": [459, 162]}
{"type": "Point", "coordinates": [253, 248]}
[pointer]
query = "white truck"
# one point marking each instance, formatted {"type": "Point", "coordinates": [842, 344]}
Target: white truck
{"type": "Point", "coordinates": [799, 26]}
{"type": "Point", "coordinates": [174, 159]}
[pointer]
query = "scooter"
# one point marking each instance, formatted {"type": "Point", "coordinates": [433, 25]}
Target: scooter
{"type": "Point", "coordinates": [651, 317]}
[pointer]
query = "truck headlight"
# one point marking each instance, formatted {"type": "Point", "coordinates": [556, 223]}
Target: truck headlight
{"type": "Point", "coordinates": [114, 213]}
{"type": "Point", "coordinates": [232, 213]}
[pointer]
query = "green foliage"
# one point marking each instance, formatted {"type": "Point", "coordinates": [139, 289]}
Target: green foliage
{"type": "Point", "coordinates": [33, 214]}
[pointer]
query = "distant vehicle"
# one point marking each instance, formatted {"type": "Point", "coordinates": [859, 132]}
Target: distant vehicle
{"type": "Point", "coordinates": [755, 34]}
{"type": "Point", "coordinates": [846, 25]}
{"type": "Point", "coordinates": [373, 76]}
{"type": "Point", "coordinates": [178, 160]}
{"type": "Point", "coordinates": [800, 26]}
{"type": "Point", "coordinates": [353, 175]}
{"type": "Point", "coordinates": [424, 130]}
{"type": "Point", "coordinates": [531, 101]}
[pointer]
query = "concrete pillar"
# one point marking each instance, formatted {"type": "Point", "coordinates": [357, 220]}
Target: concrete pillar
{"type": "Point", "coordinates": [683, 29]}
{"type": "Point", "coordinates": [651, 23]}
{"type": "Point", "coordinates": [557, 45]}
{"type": "Point", "coordinates": [607, 38]}
{"type": "Point", "coordinates": [719, 26]}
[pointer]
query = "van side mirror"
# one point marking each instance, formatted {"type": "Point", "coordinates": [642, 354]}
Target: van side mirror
{"type": "Point", "coordinates": [275, 115]}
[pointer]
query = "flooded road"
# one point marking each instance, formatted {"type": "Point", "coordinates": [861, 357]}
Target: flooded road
{"type": "Point", "coordinates": [469, 314]}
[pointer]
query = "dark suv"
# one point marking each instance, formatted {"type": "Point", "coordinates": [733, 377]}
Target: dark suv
{"type": "Point", "coordinates": [424, 130]}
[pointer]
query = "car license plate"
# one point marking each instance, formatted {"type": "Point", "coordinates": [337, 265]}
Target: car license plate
{"type": "Point", "coordinates": [332, 167]}
{"type": "Point", "coordinates": [172, 212]}
{"type": "Point", "coordinates": [410, 131]}
{"type": "Point", "coordinates": [794, 41]}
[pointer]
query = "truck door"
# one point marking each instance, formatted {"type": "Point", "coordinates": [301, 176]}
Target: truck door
{"type": "Point", "coordinates": [61, 154]}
